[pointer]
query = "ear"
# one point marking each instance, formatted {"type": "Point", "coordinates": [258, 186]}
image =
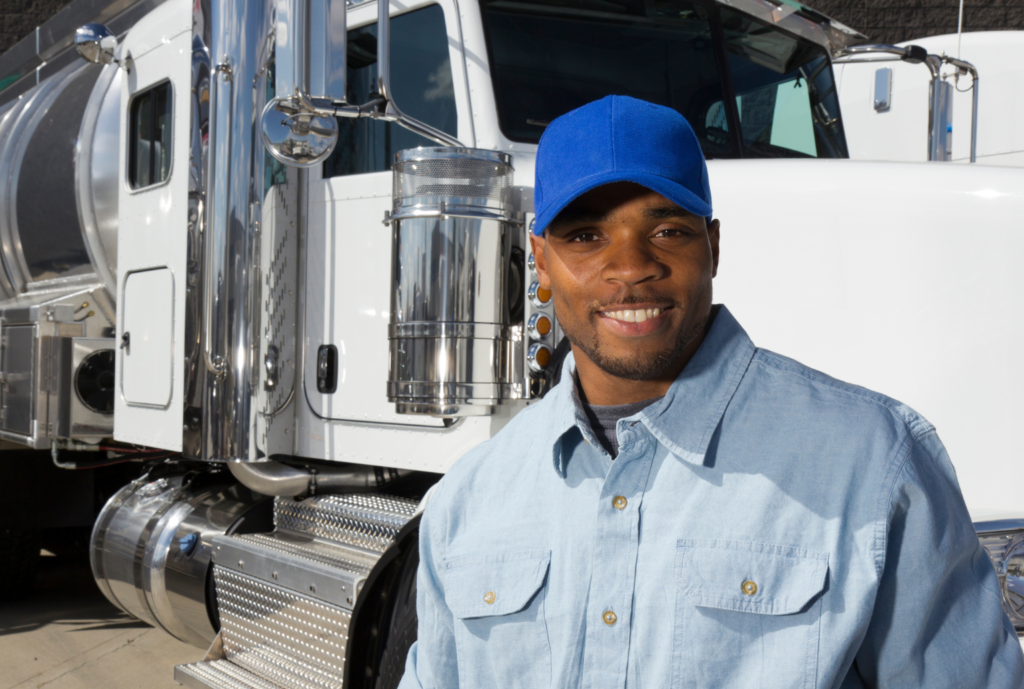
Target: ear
{"type": "Point", "coordinates": [539, 244]}
{"type": "Point", "coordinates": [713, 237]}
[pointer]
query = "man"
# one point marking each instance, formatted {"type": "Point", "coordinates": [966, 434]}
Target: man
{"type": "Point", "coordinates": [684, 509]}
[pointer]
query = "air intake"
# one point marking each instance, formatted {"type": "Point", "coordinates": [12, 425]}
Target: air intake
{"type": "Point", "coordinates": [450, 334]}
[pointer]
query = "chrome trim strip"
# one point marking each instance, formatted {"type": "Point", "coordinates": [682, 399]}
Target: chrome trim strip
{"type": "Point", "coordinates": [443, 213]}
{"type": "Point", "coordinates": [999, 525]}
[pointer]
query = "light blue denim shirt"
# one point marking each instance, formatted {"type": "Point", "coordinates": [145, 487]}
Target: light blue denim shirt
{"type": "Point", "coordinates": [763, 526]}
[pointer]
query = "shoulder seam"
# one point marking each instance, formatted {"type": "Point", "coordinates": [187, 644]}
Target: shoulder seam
{"type": "Point", "coordinates": [896, 466]}
{"type": "Point", "coordinates": [917, 431]}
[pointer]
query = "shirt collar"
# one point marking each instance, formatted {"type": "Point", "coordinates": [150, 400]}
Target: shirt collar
{"type": "Point", "coordinates": [686, 418]}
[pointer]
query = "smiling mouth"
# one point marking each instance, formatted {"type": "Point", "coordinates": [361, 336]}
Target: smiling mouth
{"type": "Point", "coordinates": [634, 315]}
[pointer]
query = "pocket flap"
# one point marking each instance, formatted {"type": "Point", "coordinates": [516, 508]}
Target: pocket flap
{"type": "Point", "coordinates": [749, 577]}
{"type": "Point", "coordinates": [500, 584]}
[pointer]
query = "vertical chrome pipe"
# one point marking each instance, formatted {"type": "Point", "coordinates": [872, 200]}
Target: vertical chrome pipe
{"type": "Point", "coordinates": [328, 45]}
{"type": "Point", "coordinates": [974, 117]}
{"type": "Point", "coordinates": [290, 40]}
{"type": "Point", "coordinates": [933, 107]}
{"type": "Point", "coordinates": [384, 49]}
{"type": "Point", "coordinates": [241, 30]}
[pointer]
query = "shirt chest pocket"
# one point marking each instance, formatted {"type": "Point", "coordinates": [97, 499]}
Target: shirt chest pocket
{"type": "Point", "coordinates": [747, 614]}
{"type": "Point", "coordinates": [500, 631]}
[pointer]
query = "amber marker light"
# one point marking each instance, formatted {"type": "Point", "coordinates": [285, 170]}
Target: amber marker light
{"type": "Point", "coordinates": [539, 326]}
{"type": "Point", "coordinates": [538, 357]}
{"type": "Point", "coordinates": [539, 295]}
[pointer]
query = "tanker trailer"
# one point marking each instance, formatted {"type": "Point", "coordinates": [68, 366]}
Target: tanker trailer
{"type": "Point", "coordinates": [58, 250]}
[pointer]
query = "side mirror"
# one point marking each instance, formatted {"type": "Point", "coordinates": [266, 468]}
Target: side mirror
{"type": "Point", "coordinates": [95, 44]}
{"type": "Point", "coordinates": [295, 136]}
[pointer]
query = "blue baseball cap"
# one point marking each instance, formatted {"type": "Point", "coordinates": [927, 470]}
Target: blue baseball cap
{"type": "Point", "coordinates": [619, 139]}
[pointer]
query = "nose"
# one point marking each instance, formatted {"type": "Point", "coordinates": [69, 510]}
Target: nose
{"type": "Point", "coordinates": [631, 261]}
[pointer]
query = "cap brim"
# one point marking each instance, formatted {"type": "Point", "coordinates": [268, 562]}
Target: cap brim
{"type": "Point", "coordinates": [673, 191]}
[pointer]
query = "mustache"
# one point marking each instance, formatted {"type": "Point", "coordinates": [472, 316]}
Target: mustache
{"type": "Point", "coordinates": [632, 299]}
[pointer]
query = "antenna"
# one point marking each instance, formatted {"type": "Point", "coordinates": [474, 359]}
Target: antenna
{"type": "Point", "coordinates": [959, 29]}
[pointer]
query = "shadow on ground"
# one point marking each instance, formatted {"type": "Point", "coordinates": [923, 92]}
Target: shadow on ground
{"type": "Point", "coordinates": [64, 594]}
{"type": "Point", "coordinates": [64, 634]}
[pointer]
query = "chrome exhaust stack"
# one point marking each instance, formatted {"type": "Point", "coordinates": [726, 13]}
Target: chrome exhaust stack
{"type": "Point", "coordinates": [451, 334]}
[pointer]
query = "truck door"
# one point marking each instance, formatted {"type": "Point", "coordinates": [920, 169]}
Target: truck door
{"type": "Point", "coordinates": [152, 237]}
{"type": "Point", "coordinates": [348, 252]}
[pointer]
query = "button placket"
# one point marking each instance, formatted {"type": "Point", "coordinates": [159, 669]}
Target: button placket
{"type": "Point", "coordinates": [614, 567]}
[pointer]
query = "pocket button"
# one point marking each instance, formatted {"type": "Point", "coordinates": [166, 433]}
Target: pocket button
{"type": "Point", "coordinates": [749, 587]}
{"type": "Point", "coordinates": [619, 503]}
{"type": "Point", "coordinates": [489, 598]}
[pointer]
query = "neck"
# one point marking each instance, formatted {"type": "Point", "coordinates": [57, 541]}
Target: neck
{"type": "Point", "coordinates": [603, 389]}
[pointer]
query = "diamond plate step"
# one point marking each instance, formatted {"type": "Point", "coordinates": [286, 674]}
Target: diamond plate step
{"type": "Point", "coordinates": [285, 598]}
{"type": "Point", "coordinates": [219, 674]}
{"type": "Point", "coordinates": [366, 521]}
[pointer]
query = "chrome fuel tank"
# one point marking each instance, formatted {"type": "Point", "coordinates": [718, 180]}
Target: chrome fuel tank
{"type": "Point", "coordinates": [151, 549]}
{"type": "Point", "coordinates": [59, 154]}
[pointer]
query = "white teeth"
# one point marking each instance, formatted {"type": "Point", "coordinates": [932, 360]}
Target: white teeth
{"type": "Point", "coordinates": [633, 315]}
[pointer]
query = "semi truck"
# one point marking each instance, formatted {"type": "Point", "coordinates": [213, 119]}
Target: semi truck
{"type": "Point", "coordinates": [269, 258]}
{"type": "Point", "coordinates": [886, 100]}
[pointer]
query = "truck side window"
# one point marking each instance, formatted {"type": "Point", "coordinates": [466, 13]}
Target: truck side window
{"type": "Point", "coordinates": [149, 153]}
{"type": "Point", "coordinates": [421, 79]}
{"type": "Point", "coordinates": [785, 94]}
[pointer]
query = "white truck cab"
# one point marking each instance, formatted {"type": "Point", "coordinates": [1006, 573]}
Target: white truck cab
{"type": "Point", "coordinates": [885, 101]}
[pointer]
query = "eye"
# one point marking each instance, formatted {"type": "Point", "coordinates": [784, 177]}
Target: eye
{"type": "Point", "coordinates": [673, 232]}
{"type": "Point", "coordinates": [584, 237]}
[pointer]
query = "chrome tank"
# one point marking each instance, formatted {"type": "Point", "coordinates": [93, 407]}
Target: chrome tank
{"type": "Point", "coordinates": [59, 153]}
{"type": "Point", "coordinates": [151, 549]}
{"type": "Point", "coordinates": [450, 333]}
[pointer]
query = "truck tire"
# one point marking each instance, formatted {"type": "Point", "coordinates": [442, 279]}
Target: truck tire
{"type": "Point", "coordinates": [402, 630]}
{"type": "Point", "coordinates": [20, 550]}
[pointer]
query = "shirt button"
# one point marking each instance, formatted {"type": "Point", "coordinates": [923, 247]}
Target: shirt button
{"type": "Point", "coordinates": [609, 618]}
{"type": "Point", "coordinates": [489, 597]}
{"type": "Point", "coordinates": [619, 502]}
{"type": "Point", "coordinates": [749, 587]}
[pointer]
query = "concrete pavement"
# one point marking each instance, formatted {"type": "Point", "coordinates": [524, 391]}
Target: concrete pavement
{"type": "Point", "coordinates": [65, 635]}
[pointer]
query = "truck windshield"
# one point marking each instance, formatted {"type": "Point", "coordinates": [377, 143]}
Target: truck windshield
{"type": "Point", "coordinates": [777, 99]}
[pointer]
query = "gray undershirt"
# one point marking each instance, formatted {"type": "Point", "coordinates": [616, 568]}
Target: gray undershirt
{"type": "Point", "coordinates": [604, 418]}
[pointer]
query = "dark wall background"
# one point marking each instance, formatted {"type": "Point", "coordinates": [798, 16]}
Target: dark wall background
{"type": "Point", "coordinates": [894, 21]}
{"type": "Point", "coordinates": [884, 21]}
{"type": "Point", "coordinates": [21, 17]}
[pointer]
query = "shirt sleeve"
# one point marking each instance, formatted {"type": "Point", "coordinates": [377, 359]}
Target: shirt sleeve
{"type": "Point", "coordinates": [432, 663]}
{"type": "Point", "coordinates": [938, 619]}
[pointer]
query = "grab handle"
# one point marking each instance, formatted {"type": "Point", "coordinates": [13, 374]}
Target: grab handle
{"type": "Point", "coordinates": [217, 209]}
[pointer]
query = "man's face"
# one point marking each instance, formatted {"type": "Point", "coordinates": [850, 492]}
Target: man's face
{"type": "Point", "coordinates": [630, 273]}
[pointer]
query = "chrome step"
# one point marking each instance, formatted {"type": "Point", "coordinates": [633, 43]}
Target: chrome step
{"type": "Point", "coordinates": [285, 598]}
{"type": "Point", "coordinates": [367, 520]}
{"type": "Point", "coordinates": [218, 674]}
